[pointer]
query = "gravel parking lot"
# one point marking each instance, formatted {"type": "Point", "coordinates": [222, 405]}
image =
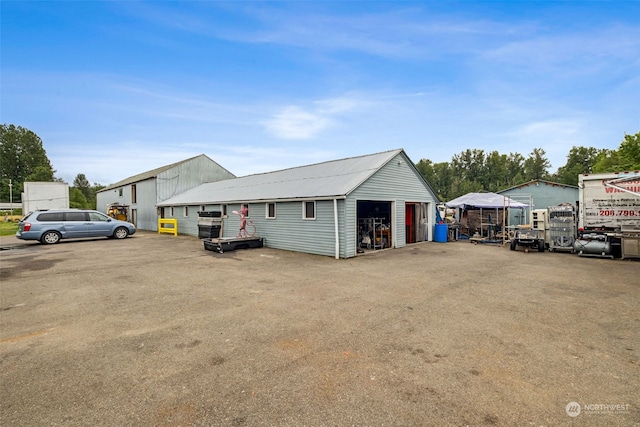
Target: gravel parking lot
{"type": "Point", "coordinates": [155, 331]}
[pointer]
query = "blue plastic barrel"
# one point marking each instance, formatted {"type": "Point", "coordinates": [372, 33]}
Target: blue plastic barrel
{"type": "Point", "coordinates": [440, 233]}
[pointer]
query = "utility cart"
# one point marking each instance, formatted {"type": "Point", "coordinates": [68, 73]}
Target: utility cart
{"type": "Point", "coordinates": [528, 238]}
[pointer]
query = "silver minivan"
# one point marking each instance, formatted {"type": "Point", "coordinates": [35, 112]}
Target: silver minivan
{"type": "Point", "coordinates": [51, 226]}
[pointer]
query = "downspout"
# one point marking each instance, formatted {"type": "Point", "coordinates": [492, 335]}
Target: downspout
{"type": "Point", "coordinates": [337, 231]}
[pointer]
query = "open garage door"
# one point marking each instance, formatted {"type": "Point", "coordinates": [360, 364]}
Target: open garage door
{"type": "Point", "coordinates": [374, 224]}
{"type": "Point", "coordinates": [416, 222]}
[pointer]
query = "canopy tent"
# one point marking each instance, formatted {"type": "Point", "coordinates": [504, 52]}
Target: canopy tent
{"type": "Point", "coordinates": [487, 201]}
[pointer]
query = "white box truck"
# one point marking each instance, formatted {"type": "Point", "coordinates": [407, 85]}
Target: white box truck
{"type": "Point", "coordinates": [608, 214]}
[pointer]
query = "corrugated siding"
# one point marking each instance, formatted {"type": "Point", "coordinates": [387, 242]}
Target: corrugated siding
{"type": "Point", "coordinates": [176, 180]}
{"type": "Point", "coordinates": [398, 182]}
{"type": "Point", "coordinates": [105, 198]}
{"type": "Point", "coordinates": [147, 216]}
{"type": "Point", "coordinates": [543, 195]}
{"type": "Point", "coordinates": [187, 175]}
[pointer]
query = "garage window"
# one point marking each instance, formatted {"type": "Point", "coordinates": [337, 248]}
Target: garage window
{"type": "Point", "coordinates": [270, 210]}
{"type": "Point", "coordinates": [309, 210]}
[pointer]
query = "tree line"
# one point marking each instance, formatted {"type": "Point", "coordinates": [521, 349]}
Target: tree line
{"type": "Point", "coordinates": [23, 158]}
{"type": "Point", "coordinates": [475, 170]}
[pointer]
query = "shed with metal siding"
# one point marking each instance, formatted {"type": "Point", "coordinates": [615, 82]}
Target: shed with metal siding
{"type": "Point", "coordinates": [339, 190]}
{"type": "Point", "coordinates": [541, 194]}
{"type": "Point", "coordinates": [142, 192]}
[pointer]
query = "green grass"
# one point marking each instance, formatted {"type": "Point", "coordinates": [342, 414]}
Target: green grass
{"type": "Point", "coordinates": [8, 228]}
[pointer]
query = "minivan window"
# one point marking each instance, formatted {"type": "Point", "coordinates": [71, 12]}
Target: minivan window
{"type": "Point", "coordinates": [95, 216]}
{"type": "Point", "coordinates": [50, 216]}
{"type": "Point", "coordinates": [75, 216]}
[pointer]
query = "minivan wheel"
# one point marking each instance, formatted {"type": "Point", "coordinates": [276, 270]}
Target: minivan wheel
{"type": "Point", "coordinates": [120, 233]}
{"type": "Point", "coordinates": [50, 238]}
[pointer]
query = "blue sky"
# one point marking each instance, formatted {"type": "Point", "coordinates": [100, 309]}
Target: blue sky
{"type": "Point", "coordinates": [118, 88]}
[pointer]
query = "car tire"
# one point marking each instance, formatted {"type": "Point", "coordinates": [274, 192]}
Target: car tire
{"type": "Point", "coordinates": [120, 233]}
{"type": "Point", "coordinates": [50, 238]}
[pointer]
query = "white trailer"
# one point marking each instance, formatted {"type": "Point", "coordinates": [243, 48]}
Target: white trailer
{"type": "Point", "coordinates": [45, 195]}
{"type": "Point", "coordinates": [608, 213]}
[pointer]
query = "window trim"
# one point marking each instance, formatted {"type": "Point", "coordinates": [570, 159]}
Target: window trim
{"type": "Point", "coordinates": [185, 211]}
{"type": "Point", "coordinates": [266, 210]}
{"type": "Point", "coordinates": [304, 210]}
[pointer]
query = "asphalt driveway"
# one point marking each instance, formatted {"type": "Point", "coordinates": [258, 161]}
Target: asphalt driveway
{"type": "Point", "coordinates": [154, 330]}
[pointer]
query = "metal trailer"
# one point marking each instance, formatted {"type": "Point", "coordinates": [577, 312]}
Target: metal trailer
{"type": "Point", "coordinates": [231, 244]}
{"type": "Point", "coordinates": [562, 228]}
{"type": "Point", "coordinates": [528, 239]}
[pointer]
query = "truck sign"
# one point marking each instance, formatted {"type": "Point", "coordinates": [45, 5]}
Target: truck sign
{"type": "Point", "coordinates": [609, 200]}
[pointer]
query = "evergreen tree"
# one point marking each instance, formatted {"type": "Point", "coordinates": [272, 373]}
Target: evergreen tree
{"type": "Point", "coordinates": [537, 165]}
{"type": "Point", "coordinates": [22, 158]}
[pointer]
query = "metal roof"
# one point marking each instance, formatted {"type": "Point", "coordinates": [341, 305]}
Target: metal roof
{"type": "Point", "coordinates": [536, 181]}
{"type": "Point", "coordinates": [152, 173]}
{"type": "Point", "coordinates": [336, 178]}
{"type": "Point", "coordinates": [484, 200]}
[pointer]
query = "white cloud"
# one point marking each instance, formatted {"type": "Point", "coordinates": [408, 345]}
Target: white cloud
{"type": "Point", "coordinates": [406, 32]}
{"type": "Point", "coordinates": [555, 137]}
{"type": "Point", "coordinates": [295, 122]}
{"type": "Point", "coordinates": [337, 105]}
{"type": "Point", "coordinates": [577, 53]}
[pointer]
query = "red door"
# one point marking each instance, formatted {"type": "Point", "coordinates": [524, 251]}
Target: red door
{"type": "Point", "coordinates": [408, 223]}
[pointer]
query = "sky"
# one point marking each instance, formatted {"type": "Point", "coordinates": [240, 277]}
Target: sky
{"type": "Point", "coordinates": [118, 88]}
